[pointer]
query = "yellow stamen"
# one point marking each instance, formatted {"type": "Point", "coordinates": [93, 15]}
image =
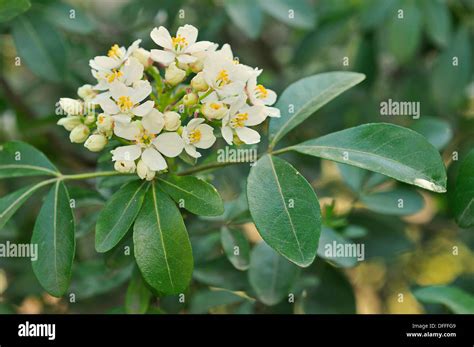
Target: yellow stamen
{"type": "Point", "coordinates": [124, 103]}
{"type": "Point", "coordinates": [261, 91]}
{"type": "Point", "coordinates": [222, 78]}
{"type": "Point", "coordinates": [195, 136]}
{"type": "Point", "coordinates": [114, 51]}
{"type": "Point", "coordinates": [113, 75]}
{"type": "Point", "coordinates": [179, 42]}
{"type": "Point", "coordinates": [239, 120]}
{"type": "Point", "coordinates": [145, 139]}
{"type": "Point", "coordinates": [215, 106]}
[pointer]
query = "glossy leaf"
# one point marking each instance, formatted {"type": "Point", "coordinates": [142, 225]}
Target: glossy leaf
{"type": "Point", "coordinates": [41, 47]}
{"type": "Point", "coordinates": [220, 273]}
{"type": "Point", "coordinates": [437, 131]}
{"type": "Point", "coordinates": [9, 9]}
{"type": "Point", "coordinates": [205, 300]}
{"type": "Point", "coordinates": [137, 298]}
{"type": "Point", "coordinates": [118, 215]}
{"type": "Point", "coordinates": [19, 159]}
{"type": "Point", "coordinates": [304, 97]}
{"type": "Point", "coordinates": [437, 21]}
{"type": "Point", "coordinates": [236, 247]}
{"type": "Point", "coordinates": [12, 202]}
{"type": "Point", "coordinates": [399, 202]}
{"type": "Point", "coordinates": [285, 209]}
{"type": "Point", "coordinates": [194, 194]}
{"type": "Point", "coordinates": [385, 148]}
{"type": "Point", "coordinates": [54, 235]}
{"type": "Point", "coordinates": [246, 15]}
{"type": "Point", "coordinates": [161, 244]}
{"type": "Point", "coordinates": [270, 275]}
{"type": "Point", "coordinates": [464, 192]}
{"type": "Point", "coordinates": [457, 300]}
{"type": "Point", "coordinates": [76, 22]}
{"type": "Point", "coordinates": [299, 14]}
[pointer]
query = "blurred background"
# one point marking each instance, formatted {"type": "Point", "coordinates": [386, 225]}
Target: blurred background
{"type": "Point", "coordinates": [44, 54]}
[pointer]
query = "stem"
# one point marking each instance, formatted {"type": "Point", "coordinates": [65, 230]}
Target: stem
{"type": "Point", "coordinates": [88, 175]}
{"type": "Point", "coordinates": [206, 167]}
{"type": "Point", "coordinates": [206, 94]}
{"type": "Point", "coordinates": [280, 151]}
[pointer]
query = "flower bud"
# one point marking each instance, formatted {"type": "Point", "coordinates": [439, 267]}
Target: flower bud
{"type": "Point", "coordinates": [125, 166]}
{"type": "Point", "coordinates": [172, 120]}
{"type": "Point", "coordinates": [86, 92]}
{"type": "Point", "coordinates": [71, 107]}
{"type": "Point", "coordinates": [190, 99]}
{"type": "Point", "coordinates": [183, 66]}
{"type": "Point", "coordinates": [96, 143]}
{"type": "Point", "coordinates": [89, 119]}
{"type": "Point", "coordinates": [144, 171]}
{"type": "Point", "coordinates": [143, 56]}
{"type": "Point", "coordinates": [174, 75]}
{"type": "Point", "coordinates": [214, 110]}
{"type": "Point", "coordinates": [79, 134]}
{"type": "Point", "coordinates": [105, 123]}
{"type": "Point", "coordinates": [199, 83]}
{"type": "Point", "coordinates": [69, 122]}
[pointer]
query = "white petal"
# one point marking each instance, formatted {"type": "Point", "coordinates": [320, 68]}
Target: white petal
{"type": "Point", "coordinates": [256, 115]}
{"type": "Point", "coordinates": [118, 89]}
{"type": "Point", "coordinates": [162, 57]}
{"type": "Point", "coordinates": [189, 32]}
{"type": "Point", "coordinates": [153, 122]}
{"type": "Point", "coordinates": [162, 37]}
{"type": "Point", "coordinates": [144, 108]}
{"type": "Point", "coordinates": [247, 135]}
{"type": "Point", "coordinates": [140, 91]}
{"type": "Point", "coordinates": [128, 131]}
{"type": "Point", "coordinates": [170, 144]}
{"type": "Point", "coordinates": [131, 152]}
{"type": "Point", "coordinates": [122, 118]}
{"type": "Point", "coordinates": [186, 58]}
{"type": "Point", "coordinates": [133, 47]}
{"type": "Point", "coordinates": [272, 112]}
{"type": "Point", "coordinates": [193, 123]}
{"type": "Point", "coordinates": [132, 71]}
{"type": "Point", "coordinates": [227, 134]}
{"type": "Point", "coordinates": [191, 150]}
{"type": "Point", "coordinates": [106, 63]}
{"type": "Point", "coordinates": [271, 97]}
{"type": "Point", "coordinates": [108, 106]}
{"type": "Point", "coordinates": [207, 136]}
{"type": "Point", "coordinates": [198, 47]}
{"type": "Point", "coordinates": [153, 159]}
{"type": "Point", "coordinates": [226, 50]}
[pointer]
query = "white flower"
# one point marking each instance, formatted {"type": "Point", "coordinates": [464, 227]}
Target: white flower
{"type": "Point", "coordinates": [72, 107]}
{"type": "Point", "coordinates": [214, 110]}
{"type": "Point", "coordinates": [258, 94]}
{"type": "Point", "coordinates": [190, 99]}
{"type": "Point", "coordinates": [172, 120]}
{"type": "Point", "coordinates": [96, 143]}
{"type": "Point", "coordinates": [143, 56]}
{"type": "Point", "coordinates": [124, 102]}
{"type": "Point", "coordinates": [144, 172]}
{"type": "Point", "coordinates": [69, 122]}
{"type": "Point", "coordinates": [174, 75]}
{"type": "Point", "coordinates": [79, 134]}
{"type": "Point", "coordinates": [197, 135]}
{"type": "Point", "coordinates": [199, 83]}
{"type": "Point", "coordinates": [115, 57]}
{"type": "Point", "coordinates": [105, 124]}
{"type": "Point", "coordinates": [181, 47]}
{"type": "Point", "coordinates": [86, 92]}
{"type": "Point", "coordinates": [125, 166]}
{"type": "Point", "coordinates": [129, 73]}
{"type": "Point", "coordinates": [240, 117]}
{"type": "Point", "coordinates": [149, 147]}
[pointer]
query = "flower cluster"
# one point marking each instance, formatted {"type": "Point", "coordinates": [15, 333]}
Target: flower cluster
{"type": "Point", "coordinates": [166, 102]}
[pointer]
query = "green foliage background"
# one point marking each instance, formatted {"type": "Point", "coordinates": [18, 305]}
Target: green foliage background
{"type": "Point", "coordinates": [426, 256]}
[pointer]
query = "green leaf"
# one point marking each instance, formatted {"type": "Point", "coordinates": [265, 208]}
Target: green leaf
{"type": "Point", "coordinates": [162, 248]}
{"type": "Point", "coordinates": [298, 14]}
{"type": "Point", "coordinates": [194, 194]}
{"type": "Point", "coordinates": [464, 193]}
{"type": "Point", "coordinates": [246, 15]}
{"type": "Point", "coordinates": [304, 97]}
{"type": "Point", "coordinates": [452, 70]}
{"type": "Point", "coordinates": [236, 247]}
{"type": "Point", "coordinates": [220, 273]}
{"type": "Point", "coordinates": [9, 9]}
{"type": "Point", "coordinates": [457, 300]}
{"type": "Point", "coordinates": [12, 202]}
{"type": "Point", "coordinates": [437, 21]}
{"type": "Point", "coordinates": [118, 215]}
{"type": "Point", "coordinates": [137, 299]}
{"type": "Point", "coordinates": [41, 47]}
{"type": "Point", "coordinates": [404, 34]}
{"type": "Point", "coordinates": [385, 148]}
{"type": "Point", "coordinates": [76, 22]}
{"type": "Point", "coordinates": [285, 209]}
{"type": "Point", "coordinates": [54, 235]}
{"type": "Point", "coordinates": [205, 300]}
{"type": "Point", "coordinates": [329, 243]}
{"type": "Point", "coordinates": [375, 12]}
{"type": "Point", "coordinates": [398, 202]}
{"type": "Point", "coordinates": [18, 159]}
{"type": "Point", "coordinates": [437, 131]}
{"type": "Point", "coordinates": [270, 275]}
